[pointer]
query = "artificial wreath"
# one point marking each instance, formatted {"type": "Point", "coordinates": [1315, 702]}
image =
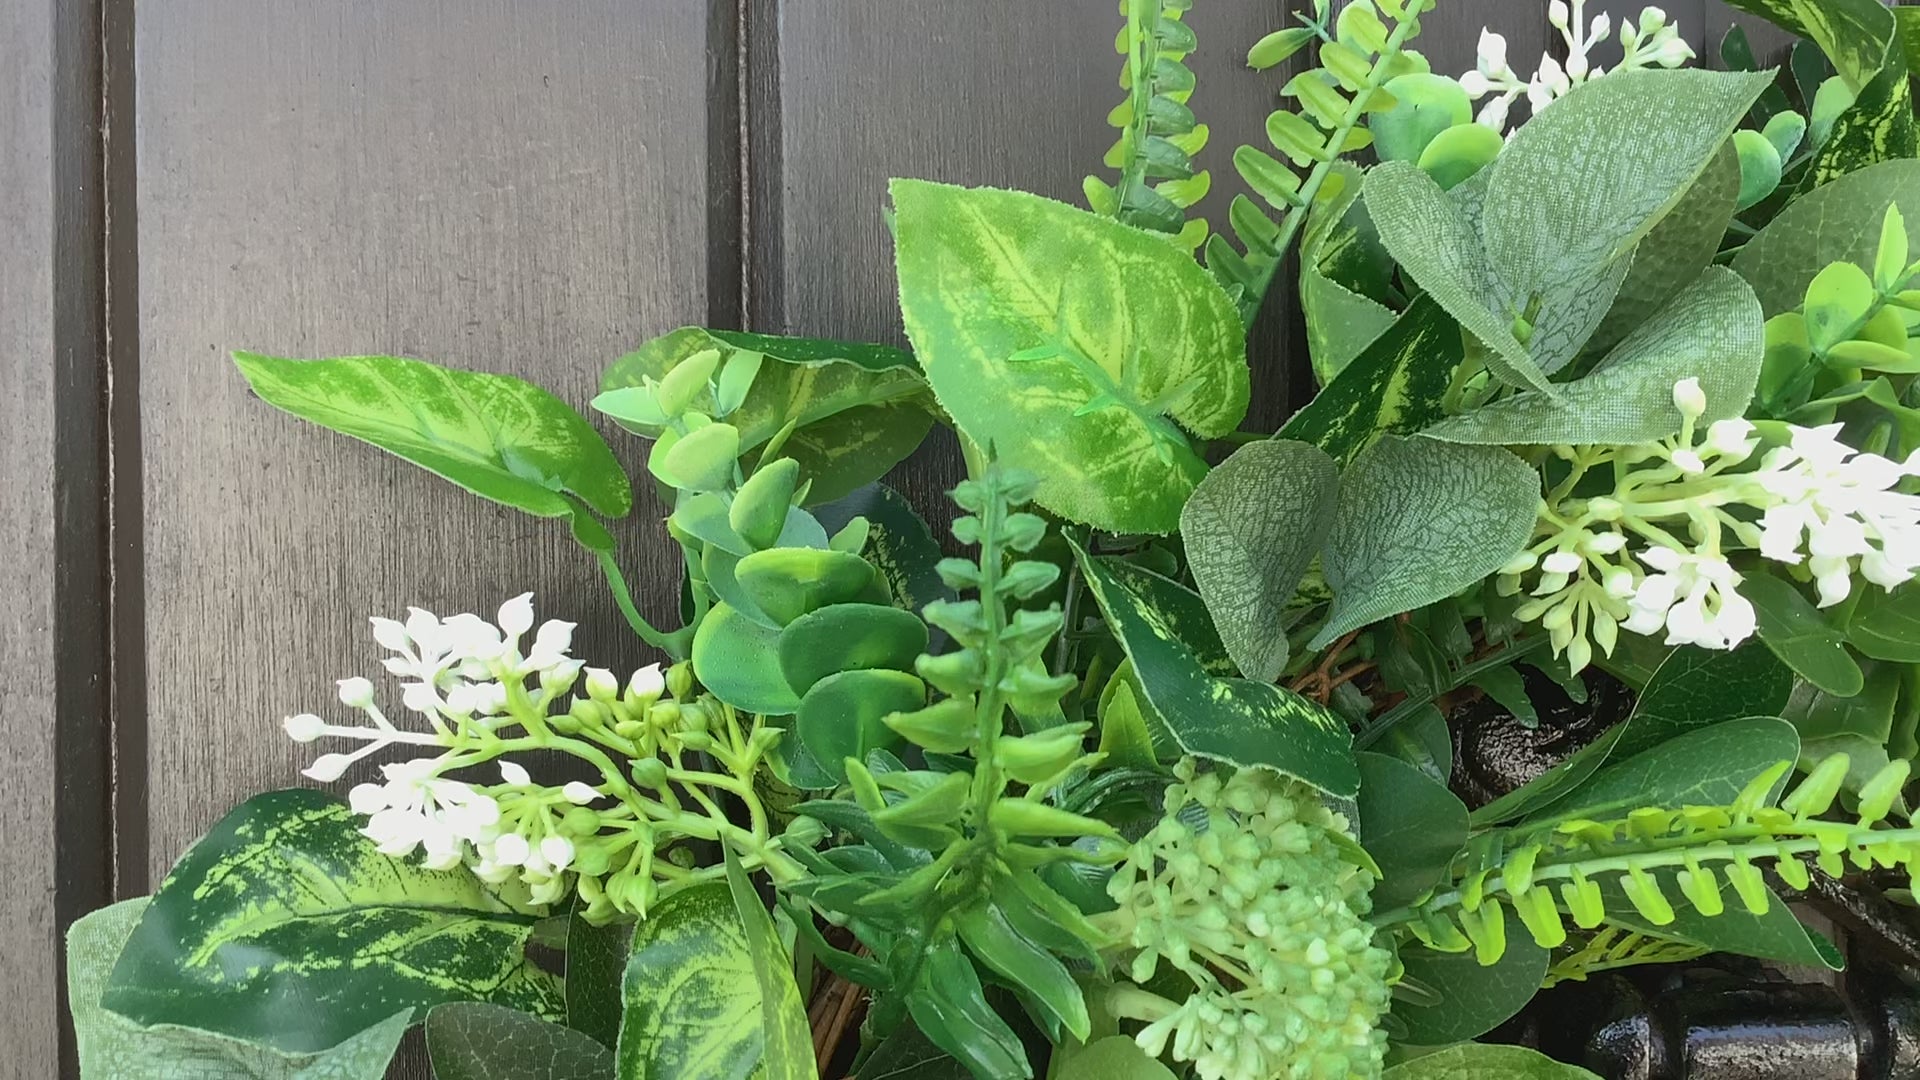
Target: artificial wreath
{"type": "Point", "coordinates": [1160, 778]}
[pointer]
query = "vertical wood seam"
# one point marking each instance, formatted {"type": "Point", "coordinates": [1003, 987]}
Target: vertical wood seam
{"type": "Point", "coordinates": [727, 164]}
{"type": "Point", "coordinates": [762, 251]}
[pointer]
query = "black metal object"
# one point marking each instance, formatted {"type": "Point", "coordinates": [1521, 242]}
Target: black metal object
{"type": "Point", "coordinates": [1494, 753]}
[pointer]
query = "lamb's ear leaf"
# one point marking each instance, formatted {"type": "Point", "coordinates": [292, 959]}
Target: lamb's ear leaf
{"type": "Point", "coordinates": [1079, 349]}
{"type": "Point", "coordinates": [237, 940]}
{"type": "Point", "coordinates": [111, 1045]}
{"type": "Point", "coordinates": [499, 437]}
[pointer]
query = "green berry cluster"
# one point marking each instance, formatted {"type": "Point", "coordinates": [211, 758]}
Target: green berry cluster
{"type": "Point", "coordinates": [1246, 886]}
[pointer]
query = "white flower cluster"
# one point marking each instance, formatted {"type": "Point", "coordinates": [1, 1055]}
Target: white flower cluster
{"type": "Point", "coordinates": [1651, 41]}
{"type": "Point", "coordinates": [1814, 503]}
{"type": "Point", "coordinates": [1243, 887]}
{"type": "Point", "coordinates": [472, 683]}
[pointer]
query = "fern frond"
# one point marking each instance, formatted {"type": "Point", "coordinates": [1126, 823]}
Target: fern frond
{"type": "Point", "coordinates": [1550, 872]}
{"type": "Point", "coordinates": [1159, 136]}
{"type": "Point", "coordinates": [1360, 54]}
{"type": "Point", "coordinates": [1612, 948]}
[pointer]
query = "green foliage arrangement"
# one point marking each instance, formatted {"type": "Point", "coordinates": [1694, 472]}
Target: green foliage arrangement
{"type": "Point", "coordinates": [1153, 783]}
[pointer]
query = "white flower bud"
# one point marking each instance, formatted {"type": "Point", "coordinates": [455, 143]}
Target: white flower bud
{"type": "Point", "coordinates": [559, 678]}
{"type": "Point", "coordinates": [420, 698]}
{"type": "Point", "coordinates": [356, 693]}
{"type": "Point", "coordinates": [1558, 15]}
{"type": "Point", "coordinates": [1562, 562]}
{"type": "Point", "coordinates": [602, 686]}
{"type": "Point", "coordinates": [557, 851]}
{"type": "Point", "coordinates": [579, 794]}
{"type": "Point", "coordinates": [1492, 52]}
{"type": "Point", "coordinates": [1689, 398]}
{"type": "Point", "coordinates": [1607, 543]}
{"type": "Point", "coordinates": [1475, 84]}
{"type": "Point", "coordinates": [304, 727]}
{"type": "Point", "coordinates": [1688, 462]}
{"type": "Point", "coordinates": [510, 849]}
{"type": "Point", "coordinates": [515, 774]}
{"type": "Point", "coordinates": [390, 634]}
{"type": "Point", "coordinates": [367, 799]}
{"type": "Point", "coordinates": [1520, 564]}
{"type": "Point", "coordinates": [327, 767]}
{"type": "Point", "coordinates": [647, 683]}
{"type": "Point", "coordinates": [516, 615]}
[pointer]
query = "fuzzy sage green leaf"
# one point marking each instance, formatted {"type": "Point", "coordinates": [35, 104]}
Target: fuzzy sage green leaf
{"type": "Point", "coordinates": [1075, 347]}
{"type": "Point", "coordinates": [499, 437]}
{"type": "Point", "coordinates": [1252, 528]}
{"type": "Point", "coordinates": [1418, 521]}
{"type": "Point", "coordinates": [245, 934]}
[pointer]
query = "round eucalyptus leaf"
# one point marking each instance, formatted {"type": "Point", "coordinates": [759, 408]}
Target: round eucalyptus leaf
{"type": "Point", "coordinates": [849, 637]}
{"type": "Point", "coordinates": [1459, 152]}
{"type": "Point", "coordinates": [841, 716]}
{"type": "Point", "coordinates": [1424, 106]}
{"type": "Point", "coordinates": [734, 658]}
{"type": "Point", "coordinates": [786, 583]}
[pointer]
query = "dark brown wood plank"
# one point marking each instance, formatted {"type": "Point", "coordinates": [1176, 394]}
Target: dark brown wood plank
{"type": "Point", "coordinates": [29, 1028]}
{"type": "Point", "coordinates": [503, 186]}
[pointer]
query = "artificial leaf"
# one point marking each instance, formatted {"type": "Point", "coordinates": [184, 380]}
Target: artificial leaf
{"type": "Point", "coordinates": [1411, 825]}
{"type": "Point", "coordinates": [787, 1043]}
{"type": "Point", "coordinates": [949, 1005]}
{"type": "Point", "coordinates": [1869, 713]}
{"type": "Point", "coordinates": [1252, 528]}
{"type": "Point", "coordinates": [1074, 346]}
{"type": "Point", "coordinates": [691, 999]}
{"type": "Point", "coordinates": [1712, 331]}
{"type": "Point", "coordinates": [596, 962]}
{"type": "Point", "coordinates": [499, 437]}
{"type": "Point", "coordinates": [909, 1055]}
{"type": "Point", "coordinates": [1697, 688]}
{"type": "Point", "coordinates": [471, 1041]}
{"type": "Point", "coordinates": [1238, 721]}
{"type": "Point", "coordinates": [842, 715]}
{"type": "Point", "coordinates": [239, 939]}
{"type": "Point", "coordinates": [1582, 183]}
{"type": "Point", "coordinates": [849, 637]}
{"type": "Point", "coordinates": [1419, 520]}
{"type": "Point", "coordinates": [1775, 935]}
{"type": "Point", "coordinates": [1115, 1057]}
{"type": "Point", "coordinates": [1706, 766]}
{"type": "Point", "coordinates": [1886, 625]}
{"type": "Point", "coordinates": [1801, 636]}
{"type": "Point", "coordinates": [1675, 253]}
{"type": "Point", "coordinates": [1394, 387]}
{"type": "Point", "coordinates": [1437, 244]}
{"type": "Point", "coordinates": [111, 1047]}
{"type": "Point", "coordinates": [899, 543]}
{"type": "Point", "coordinates": [736, 658]}
{"type": "Point", "coordinates": [1877, 126]}
{"type": "Point", "coordinates": [1341, 323]}
{"type": "Point", "coordinates": [1471, 998]}
{"type": "Point", "coordinates": [1485, 1061]}
{"type": "Point", "coordinates": [858, 409]}
{"type": "Point", "coordinates": [1840, 222]}
{"type": "Point", "coordinates": [1852, 33]}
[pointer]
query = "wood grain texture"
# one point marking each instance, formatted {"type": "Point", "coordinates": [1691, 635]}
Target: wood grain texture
{"type": "Point", "coordinates": [28, 1029]}
{"type": "Point", "coordinates": [502, 186]}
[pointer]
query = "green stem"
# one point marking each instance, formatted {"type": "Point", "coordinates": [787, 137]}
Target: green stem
{"type": "Point", "coordinates": [675, 645]}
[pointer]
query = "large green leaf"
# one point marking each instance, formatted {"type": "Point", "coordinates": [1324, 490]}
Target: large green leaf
{"type": "Point", "coordinates": [1886, 625]}
{"type": "Point", "coordinates": [858, 409]}
{"type": "Point", "coordinates": [1869, 714]}
{"type": "Point", "coordinates": [899, 543]}
{"type": "Point", "coordinates": [1853, 33]}
{"type": "Point", "coordinates": [1878, 126]}
{"type": "Point", "coordinates": [1252, 528]}
{"type": "Point", "coordinates": [692, 998]}
{"type": "Point", "coordinates": [1485, 1061]}
{"type": "Point", "coordinates": [1437, 243]}
{"type": "Point", "coordinates": [1707, 766]}
{"type": "Point", "coordinates": [1470, 998]}
{"type": "Point", "coordinates": [287, 926]}
{"type": "Point", "coordinates": [1395, 386]}
{"type": "Point", "coordinates": [1115, 1057]}
{"type": "Point", "coordinates": [1419, 520]}
{"type": "Point", "coordinates": [1582, 183]}
{"type": "Point", "coordinates": [1072, 345]}
{"type": "Point", "coordinates": [1238, 721]}
{"type": "Point", "coordinates": [1713, 331]}
{"type": "Point", "coordinates": [1801, 635]}
{"type": "Point", "coordinates": [1411, 825]}
{"type": "Point", "coordinates": [1840, 222]}
{"type": "Point", "coordinates": [787, 1042]}
{"type": "Point", "coordinates": [1775, 935]}
{"type": "Point", "coordinates": [499, 437]}
{"type": "Point", "coordinates": [596, 962]}
{"type": "Point", "coordinates": [908, 1055]}
{"type": "Point", "coordinates": [470, 1041]}
{"type": "Point", "coordinates": [1675, 253]}
{"type": "Point", "coordinates": [1697, 688]}
{"type": "Point", "coordinates": [738, 660]}
{"type": "Point", "coordinates": [112, 1047]}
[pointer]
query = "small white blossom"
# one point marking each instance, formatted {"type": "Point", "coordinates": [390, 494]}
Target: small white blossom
{"type": "Point", "coordinates": [356, 693]}
{"type": "Point", "coordinates": [1833, 507]}
{"type": "Point", "coordinates": [1651, 41]}
{"type": "Point", "coordinates": [1693, 597]}
{"type": "Point", "coordinates": [304, 727]}
{"type": "Point", "coordinates": [579, 794]}
{"type": "Point", "coordinates": [515, 774]}
{"type": "Point", "coordinates": [648, 683]}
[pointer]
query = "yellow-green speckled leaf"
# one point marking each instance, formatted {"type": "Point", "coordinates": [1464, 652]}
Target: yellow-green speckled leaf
{"type": "Point", "coordinates": [284, 925]}
{"type": "Point", "coordinates": [1395, 386]}
{"type": "Point", "coordinates": [1878, 126]}
{"type": "Point", "coordinates": [1238, 721]}
{"type": "Point", "coordinates": [1853, 33]}
{"type": "Point", "coordinates": [692, 999]}
{"type": "Point", "coordinates": [112, 1047]}
{"type": "Point", "coordinates": [1075, 347]}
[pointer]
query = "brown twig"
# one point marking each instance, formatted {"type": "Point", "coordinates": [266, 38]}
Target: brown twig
{"type": "Point", "coordinates": [1318, 683]}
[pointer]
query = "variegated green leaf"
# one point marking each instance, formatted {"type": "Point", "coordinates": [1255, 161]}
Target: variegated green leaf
{"type": "Point", "coordinates": [1238, 721]}
{"type": "Point", "coordinates": [860, 409]}
{"type": "Point", "coordinates": [112, 1047]}
{"type": "Point", "coordinates": [1075, 347]}
{"type": "Point", "coordinates": [1840, 222]}
{"type": "Point", "coordinates": [693, 1007]}
{"type": "Point", "coordinates": [1341, 323]}
{"type": "Point", "coordinates": [787, 1041]}
{"type": "Point", "coordinates": [1251, 529]}
{"type": "Point", "coordinates": [499, 437]}
{"type": "Point", "coordinates": [1713, 331]}
{"type": "Point", "coordinates": [286, 926]}
{"type": "Point", "coordinates": [1878, 126]}
{"type": "Point", "coordinates": [1418, 521]}
{"type": "Point", "coordinates": [1853, 33]}
{"type": "Point", "coordinates": [1395, 386]}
